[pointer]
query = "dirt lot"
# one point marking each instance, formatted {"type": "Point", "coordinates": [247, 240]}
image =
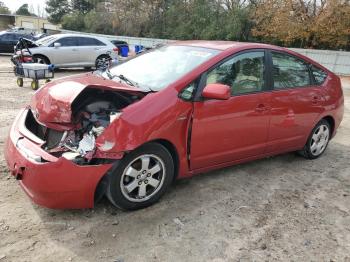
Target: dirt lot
{"type": "Point", "coordinates": [282, 208]}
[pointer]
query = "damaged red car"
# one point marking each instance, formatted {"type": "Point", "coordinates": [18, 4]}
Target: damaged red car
{"type": "Point", "coordinates": [182, 109]}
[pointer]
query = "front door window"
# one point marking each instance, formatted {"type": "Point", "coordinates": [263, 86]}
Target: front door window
{"type": "Point", "coordinates": [244, 73]}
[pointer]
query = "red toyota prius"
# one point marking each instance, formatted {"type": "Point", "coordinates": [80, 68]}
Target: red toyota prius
{"type": "Point", "coordinates": [176, 111]}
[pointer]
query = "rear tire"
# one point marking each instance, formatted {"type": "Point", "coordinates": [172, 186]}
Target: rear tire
{"type": "Point", "coordinates": [141, 177]}
{"type": "Point", "coordinates": [102, 62]}
{"type": "Point", "coordinates": [317, 141]}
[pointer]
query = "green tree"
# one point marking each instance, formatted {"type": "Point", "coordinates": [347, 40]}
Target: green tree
{"type": "Point", "coordinates": [99, 22]}
{"type": "Point", "coordinates": [23, 10]}
{"type": "Point", "coordinates": [83, 6]}
{"type": "Point", "coordinates": [201, 19]}
{"type": "Point", "coordinates": [4, 9]}
{"type": "Point", "coordinates": [56, 9]}
{"type": "Point", "coordinates": [73, 21]}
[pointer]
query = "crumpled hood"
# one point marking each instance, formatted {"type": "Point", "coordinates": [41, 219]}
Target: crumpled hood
{"type": "Point", "coordinates": [52, 103]}
{"type": "Point", "coordinates": [26, 43]}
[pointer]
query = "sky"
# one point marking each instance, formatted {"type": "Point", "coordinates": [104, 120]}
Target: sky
{"type": "Point", "coordinates": [13, 5]}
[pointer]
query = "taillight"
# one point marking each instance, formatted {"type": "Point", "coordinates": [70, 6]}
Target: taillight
{"type": "Point", "coordinates": [116, 50]}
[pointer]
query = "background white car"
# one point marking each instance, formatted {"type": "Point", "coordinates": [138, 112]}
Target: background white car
{"type": "Point", "coordinates": [70, 50]}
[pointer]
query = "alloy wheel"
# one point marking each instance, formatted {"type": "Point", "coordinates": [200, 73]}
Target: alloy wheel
{"type": "Point", "coordinates": [319, 140]}
{"type": "Point", "coordinates": [102, 63]}
{"type": "Point", "coordinates": [142, 178]}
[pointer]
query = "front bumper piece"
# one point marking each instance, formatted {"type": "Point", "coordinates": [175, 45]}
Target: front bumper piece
{"type": "Point", "coordinates": [49, 181]}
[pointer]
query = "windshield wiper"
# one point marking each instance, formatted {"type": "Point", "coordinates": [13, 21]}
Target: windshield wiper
{"type": "Point", "coordinates": [126, 80]}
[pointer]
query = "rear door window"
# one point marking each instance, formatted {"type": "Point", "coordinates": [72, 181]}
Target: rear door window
{"type": "Point", "coordinates": [8, 37]}
{"type": "Point", "coordinates": [16, 37]}
{"type": "Point", "coordinates": [289, 71]}
{"type": "Point", "coordinates": [88, 41]}
{"type": "Point", "coordinates": [68, 41]}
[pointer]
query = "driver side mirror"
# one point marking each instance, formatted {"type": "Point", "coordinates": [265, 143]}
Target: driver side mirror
{"type": "Point", "coordinates": [56, 45]}
{"type": "Point", "coordinates": [217, 91]}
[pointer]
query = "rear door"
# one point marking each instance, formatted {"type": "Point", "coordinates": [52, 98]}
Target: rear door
{"type": "Point", "coordinates": [234, 129]}
{"type": "Point", "coordinates": [295, 103]}
{"type": "Point", "coordinates": [3, 44]}
{"type": "Point", "coordinates": [89, 49]}
{"type": "Point", "coordinates": [8, 41]}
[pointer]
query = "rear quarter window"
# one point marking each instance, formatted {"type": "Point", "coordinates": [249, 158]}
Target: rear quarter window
{"type": "Point", "coordinates": [87, 41]}
{"type": "Point", "coordinates": [318, 74]}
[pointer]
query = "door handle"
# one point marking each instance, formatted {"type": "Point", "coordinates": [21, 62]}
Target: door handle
{"type": "Point", "coordinates": [315, 100]}
{"type": "Point", "coordinates": [74, 49]}
{"type": "Point", "coordinates": [261, 108]}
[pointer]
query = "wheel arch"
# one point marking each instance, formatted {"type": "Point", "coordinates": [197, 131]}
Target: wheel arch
{"type": "Point", "coordinates": [102, 55]}
{"type": "Point", "coordinates": [173, 152]}
{"type": "Point", "coordinates": [46, 57]}
{"type": "Point", "coordinates": [331, 122]}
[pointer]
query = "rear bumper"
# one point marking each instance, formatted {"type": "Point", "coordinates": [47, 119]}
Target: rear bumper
{"type": "Point", "coordinates": [49, 181]}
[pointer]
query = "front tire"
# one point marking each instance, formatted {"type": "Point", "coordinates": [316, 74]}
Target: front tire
{"type": "Point", "coordinates": [41, 59]}
{"type": "Point", "coordinates": [317, 141]}
{"type": "Point", "coordinates": [141, 177]}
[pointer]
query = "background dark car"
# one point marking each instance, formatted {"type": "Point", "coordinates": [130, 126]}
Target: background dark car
{"type": "Point", "coordinates": [9, 39]}
{"type": "Point", "coordinates": [120, 44]}
{"type": "Point", "coordinates": [39, 36]}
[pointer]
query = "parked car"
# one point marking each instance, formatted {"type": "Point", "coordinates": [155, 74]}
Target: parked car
{"type": "Point", "coordinates": [120, 44]}
{"type": "Point", "coordinates": [36, 37]}
{"type": "Point", "coordinates": [9, 39]}
{"type": "Point", "coordinates": [70, 50]}
{"type": "Point", "coordinates": [170, 113]}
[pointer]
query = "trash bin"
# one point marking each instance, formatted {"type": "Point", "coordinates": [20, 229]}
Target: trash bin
{"type": "Point", "coordinates": [124, 50]}
{"type": "Point", "coordinates": [138, 48]}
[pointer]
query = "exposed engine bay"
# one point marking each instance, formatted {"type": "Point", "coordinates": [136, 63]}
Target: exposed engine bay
{"type": "Point", "coordinates": [92, 112]}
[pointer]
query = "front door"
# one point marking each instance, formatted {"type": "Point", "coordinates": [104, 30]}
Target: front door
{"type": "Point", "coordinates": [237, 128]}
{"type": "Point", "coordinates": [66, 54]}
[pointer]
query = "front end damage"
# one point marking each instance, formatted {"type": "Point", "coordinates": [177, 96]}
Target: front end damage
{"type": "Point", "coordinates": [90, 114]}
{"type": "Point", "coordinates": [52, 148]}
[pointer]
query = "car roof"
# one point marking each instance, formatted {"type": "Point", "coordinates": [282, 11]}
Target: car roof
{"type": "Point", "coordinates": [75, 35]}
{"type": "Point", "coordinates": [59, 36]}
{"type": "Point", "coordinates": [13, 32]}
{"type": "Point", "coordinates": [223, 45]}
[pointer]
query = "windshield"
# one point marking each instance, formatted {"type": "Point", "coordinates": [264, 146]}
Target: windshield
{"type": "Point", "coordinates": [157, 69]}
{"type": "Point", "coordinates": [45, 40]}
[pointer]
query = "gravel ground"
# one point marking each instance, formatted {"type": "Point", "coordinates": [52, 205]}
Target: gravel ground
{"type": "Point", "coordinates": [283, 208]}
